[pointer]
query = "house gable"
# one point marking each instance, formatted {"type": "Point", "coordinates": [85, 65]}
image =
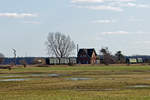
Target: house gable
{"type": "Point", "coordinates": [86, 56]}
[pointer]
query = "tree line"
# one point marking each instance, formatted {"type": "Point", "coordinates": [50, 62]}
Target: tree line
{"type": "Point", "coordinates": [108, 58]}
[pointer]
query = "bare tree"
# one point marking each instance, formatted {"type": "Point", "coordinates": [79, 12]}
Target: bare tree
{"type": "Point", "coordinates": [59, 45]}
{"type": "Point", "coordinates": [1, 57]}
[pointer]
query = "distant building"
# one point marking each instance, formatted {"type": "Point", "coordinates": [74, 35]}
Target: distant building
{"type": "Point", "coordinates": [136, 59]}
{"type": "Point", "coordinates": [61, 61]}
{"type": "Point", "coordinates": [86, 56]}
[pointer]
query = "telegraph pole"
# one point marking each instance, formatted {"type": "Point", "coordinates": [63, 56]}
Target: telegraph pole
{"type": "Point", "coordinates": [77, 49]}
{"type": "Point", "coordinates": [14, 52]}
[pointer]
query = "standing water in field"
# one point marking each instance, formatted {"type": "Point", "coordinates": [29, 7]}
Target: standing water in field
{"type": "Point", "coordinates": [139, 86]}
{"type": "Point", "coordinates": [7, 80]}
{"type": "Point", "coordinates": [32, 75]}
{"type": "Point", "coordinates": [45, 75]}
{"type": "Point", "coordinates": [7, 76]}
{"type": "Point", "coordinates": [76, 79]}
{"type": "Point", "coordinates": [23, 77]}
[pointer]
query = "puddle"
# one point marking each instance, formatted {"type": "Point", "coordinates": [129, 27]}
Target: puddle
{"type": "Point", "coordinates": [54, 75]}
{"type": "Point", "coordinates": [32, 75]}
{"type": "Point", "coordinates": [139, 86]}
{"type": "Point", "coordinates": [98, 89]}
{"type": "Point", "coordinates": [36, 75]}
{"type": "Point", "coordinates": [76, 79]}
{"type": "Point", "coordinates": [23, 77]}
{"type": "Point", "coordinates": [11, 76]}
{"type": "Point", "coordinates": [7, 80]}
{"type": "Point", "coordinates": [110, 89]}
{"type": "Point", "coordinates": [44, 75]}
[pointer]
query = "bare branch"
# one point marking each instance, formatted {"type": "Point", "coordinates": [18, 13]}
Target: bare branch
{"type": "Point", "coordinates": [59, 45]}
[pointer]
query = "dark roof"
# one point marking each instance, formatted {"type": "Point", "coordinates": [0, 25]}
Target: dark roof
{"type": "Point", "coordinates": [89, 52]}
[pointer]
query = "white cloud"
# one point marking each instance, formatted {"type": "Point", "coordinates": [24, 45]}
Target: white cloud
{"type": "Point", "coordinates": [106, 21]}
{"type": "Point", "coordinates": [130, 4]}
{"type": "Point", "coordinates": [103, 7]}
{"type": "Point", "coordinates": [100, 1]}
{"type": "Point", "coordinates": [113, 5]}
{"type": "Point", "coordinates": [90, 1]}
{"type": "Point", "coordinates": [122, 0]}
{"type": "Point", "coordinates": [115, 33]}
{"type": "Point", "coordinates": [124, 33]}
{"type": "Point", "coordinates": [18, 15]}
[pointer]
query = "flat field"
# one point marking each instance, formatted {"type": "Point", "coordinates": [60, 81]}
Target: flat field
{"type": "Point", "coordinates": [91, 82]}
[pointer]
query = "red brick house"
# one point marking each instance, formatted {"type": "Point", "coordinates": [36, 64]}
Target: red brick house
{"type": "Point", "coordinates": [86, 56]}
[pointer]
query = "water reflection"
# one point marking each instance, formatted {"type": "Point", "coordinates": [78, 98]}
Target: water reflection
{"type": "Point", "coordinates": [6, 80]}
{"type": "Point", "coordinates": [76, 79]}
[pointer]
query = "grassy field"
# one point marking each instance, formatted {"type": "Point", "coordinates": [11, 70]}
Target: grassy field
{"type": "Point", "coordinates": [76, 83]}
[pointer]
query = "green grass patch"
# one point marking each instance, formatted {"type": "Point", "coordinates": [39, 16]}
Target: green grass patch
{"type": "Point", "coordinates": [105, 83]}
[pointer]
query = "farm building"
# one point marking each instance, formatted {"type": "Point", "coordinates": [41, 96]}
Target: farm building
{"type": "Point", "coordinates": [61, 61]}
{"type": "Point", "coordinates": [52, 61]}
{"type": "Point", "coordinates": [86, 56]}
{"type": "Point", "coordinates": [64, 61]}
{"type": "Point", "coordinates": [73, 60]}
{"type": "Point", "coordinates": [134, 60]}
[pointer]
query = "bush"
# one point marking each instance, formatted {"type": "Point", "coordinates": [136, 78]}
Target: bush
{"type": "Point", "coordinates": [23, 62]}
{"type": "Point", "coordinates": [71, 64]}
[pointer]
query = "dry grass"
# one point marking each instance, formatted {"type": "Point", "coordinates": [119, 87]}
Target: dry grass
{"type": "Point", "coordinates": [106, 83]}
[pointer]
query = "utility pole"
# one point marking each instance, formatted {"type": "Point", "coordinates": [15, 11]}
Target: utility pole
{"type": "Point", "coordinates": [14, 52]}
{"type": "Point", "coordinates": [77, 49]}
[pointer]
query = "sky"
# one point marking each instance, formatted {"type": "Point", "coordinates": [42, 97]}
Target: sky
{"type": "Point", "coordinates": [117, 24]}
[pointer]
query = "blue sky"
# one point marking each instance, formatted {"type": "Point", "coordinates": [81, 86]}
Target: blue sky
{"type": "Point", "coordinates": [118, 24]}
